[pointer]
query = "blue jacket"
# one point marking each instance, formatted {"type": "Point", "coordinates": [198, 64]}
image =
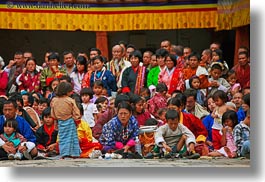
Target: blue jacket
{"type": "Point", "coordinates": [23, 128]}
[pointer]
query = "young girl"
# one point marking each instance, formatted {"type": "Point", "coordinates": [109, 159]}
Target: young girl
{"type": "Point", "coordinates": [65, 111]}
{"type": "Point", "coordinates": [102, 105]}
{"type": "Point", "coordinates": [220, 99]}
{"type": "Point", "coordinates": [138, 110]}
{"type": "Point", "coordinates": [46, 135]}
{"type": "Point", "coordinates": [97, 89]}
{"type": "Point", "coordinates": [15, 140]}
{"type": "Point", "coordinates": [232, 80]}
{"type": "Point", "coordinates": [79, 72]}
{"type": "Point", "coordinates": [90, 109]}
{"type": "Point", "coordinates": [216, 82]}
{"type": "Point", "coordinates": [195, 83]}
{"type": "Point", "coordinates": [229, 121]}
{"type": "Point", "coordinates": [54, 83]}
{"type": "Point", "coordinates": [101, 73]}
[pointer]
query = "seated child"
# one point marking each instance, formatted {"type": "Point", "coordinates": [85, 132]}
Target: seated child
{"type": "Point", "coordinates": [172, 137]}
{"type": "Point", "coordinates": [46, 135]}
{"type": "Point", "coordinates": [19, 144]}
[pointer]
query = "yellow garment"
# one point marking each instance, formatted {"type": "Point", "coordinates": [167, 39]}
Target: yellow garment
{"type": "Point", "coordinates": [200, 139]}
{"type": "Point", "coordinates": [84, 131]}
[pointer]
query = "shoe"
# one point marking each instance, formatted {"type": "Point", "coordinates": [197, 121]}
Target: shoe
{"type": "Point", "coordinates": [18, 156]}
{"type": "Point", "coordinates": [95, 154]}
{"type": "Point", "coordinates": [11, 156]}
{"type": "Point", "coordinates": [193, 155]}
{"type": "Point", "coordinates": [125, 155]}
{"type": "Point", "coordinates": [149, 155]}
{"type": "Point", "coordinates": [170, 155]}
{"type": "Point", "coordinates": [52, 153]}
{"type": "Point", "coordinates": [27, 155]}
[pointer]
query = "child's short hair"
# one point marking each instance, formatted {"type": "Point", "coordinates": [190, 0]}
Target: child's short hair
{"type": "Point", "coordinates": [120, 98]}
{"type": "Point", "coordinates": [87, 91]}
{"type": "Point", "coordinates": [230, 114]}
{"type": "Point", "coordinates": [217, 65]}
{"type": "Point", "coordinates": [151, 122]}
{"type": "Point", "coordinates": [145, 89]}
{"type": "Point", "coordinates": [11, 123]}
{"type": "Point", "coordinates": [43, 100]}
{"type": "Point", "coordinates": [161, 87]}
{"type": "Point", "coordinates": [101, 100]}
{"type": "Point", "coordinates": [172, 114]}
{"type": "Point", "coordinates": [63, 88]}
{"type": "Point", "coordinates": [98, 83]}
{"type": "Point", "coordinates": [190, 92]}
{"type": "Point", "coordinates": [193, 78]}
{"type": "Point", "coordinates": [46, 112]}
{"type": "Point", "coordinates": [160, 111]}
{"type": "Point", "coordinates": [246, 99]}
{"type": "Point", "coordinates": [220, 94]}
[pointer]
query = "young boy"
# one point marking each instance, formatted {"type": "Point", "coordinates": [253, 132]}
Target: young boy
{"type": "Point", "coordinates": [90, 109]}
{"type": "Point", "coordinates": [47, 135]}
{"type": "Point", "coordinates": [172, 136]}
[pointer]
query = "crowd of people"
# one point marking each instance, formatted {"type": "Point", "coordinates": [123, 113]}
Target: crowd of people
{"type": "Point", "coordinates": [179, 103]}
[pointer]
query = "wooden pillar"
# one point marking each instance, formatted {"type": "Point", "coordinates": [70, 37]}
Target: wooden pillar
{"type": "Point", "coordinates": [242, 39]}
{"type": "Point", "coordinates": [102, 43]}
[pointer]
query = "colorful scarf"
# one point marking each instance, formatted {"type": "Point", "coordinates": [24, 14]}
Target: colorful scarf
{"type": "Point", "coordinates": [140, 79]}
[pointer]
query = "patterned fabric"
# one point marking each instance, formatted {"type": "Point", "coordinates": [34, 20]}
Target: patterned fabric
{"type": "Point", "coordinates": [3, 82]}
{"type": "Point", "coordinates": [30, 82]}
{"type": "Point", "coordinates": [156, 102]}
{"type": "Point", "coordinates": [243, 75]}
{"type": "Point", "coordinates": [152, 77]}
{"type": "Point", "coordinates": [224, 85]}
{"type": "Point", "coordinates": [15, 138]}
{"type": "Point", "coordinates": [114, 131]}
{"type": "Point", "coordinates": [241, 134]}
{"type": "Point", "coordinates": [68, 139]}
{"type": "Point", "coordinates": [86, 79]}
{"type": "Point", "coordinates": [129, 79]}
{"type": "Point", "coordinates": [141, 118]}
{"type": "Point", "coordinates": [107, 79]}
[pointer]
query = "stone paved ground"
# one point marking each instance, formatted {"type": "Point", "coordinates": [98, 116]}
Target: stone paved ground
{"type": "Point", "coordinates": [202, 162]}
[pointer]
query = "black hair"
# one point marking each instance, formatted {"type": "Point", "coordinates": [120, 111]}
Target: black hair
{"type": "Point", "coordinates": [2, 100]}
{"type": "Point", "coordinates": [194, 54]}
{"type": "Point", "coordinates": [217, 65]}
{"type": "Point", "coordinates": [130, 46]}
{"type": "Point", "coordinates": [66, 78]}
{"type": "Point", "coordinates": [101, 100]}
{"type": "Point", "coordinates": [31, 59]}
{"type": "Point", "coordinates": [83, 61]}
{"type": "Point", "coordinates": [138, 54]}
{"type": "Point", "coordinates": [161, 53]}
{"type": "Point", "coordinates": [172, 114]}
{"type": "Point", "coordinates": [193, 78]}
{"type": "Point", "coordinates": [246, 99]}
{"type": "Point", "coordinates": [190, 92]}
{"type": "Point", "coordinates": [220, 94]}
{"type": "Point", "coordinates": [125, 105]}
{"type": "Point", "coordinates": [43, 100]}
{"type": "Point", "coordinates": [230, 114]}
{"type": "Point", "coordinates": [150, 122]}
{"type": "Point", "coordinates": [100, 58]}
{"type": "Point", "coordinates": [54, 55]}
{"type": "Point", "coordinates": [121, 98]}
{"type": "Point", "coordinates": [182, 99]}
{"type": "Point", "coordinates": [19, 53]}
{"type": "Point", "coordinates": [81, 109]}
{"type": "Point", "coordinates": [95, 49]}
{"type": "Point", "coordinates": [134, 98]}
{"type": "Point", "coordinates": [30, 98]}
{"type": "Point", "coordinates": [68, 52]}
{"type": "Point", "coordinates": [11, 123]}
{"type": "Point", "coordinates": [175, 101]}
{"type": "Point", "coordinates": [219, 52]}
{"type": "Point", "coordinates": [98, 83]}
{"type": "Point", "coordinates": [160, 111]}
{"type": "Point", "coordinates": [244, 53]}
{"type": "Point", "coordinates": [230, 72]}
{"type": "Point", "coordinates": [55, 79]}
{"type": "Point", "coordinates": [173, 58]}
{"type": "Point", "coordinates": [46, 112]}
{"type": "Point", "coordinates": [161, 87]}
{"type": "Point", "coordinates": [16, 97]}
{"type": "Point", "coordinates": [87, 91]}
{"type": "Point", "coordinates": [63, 89]}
